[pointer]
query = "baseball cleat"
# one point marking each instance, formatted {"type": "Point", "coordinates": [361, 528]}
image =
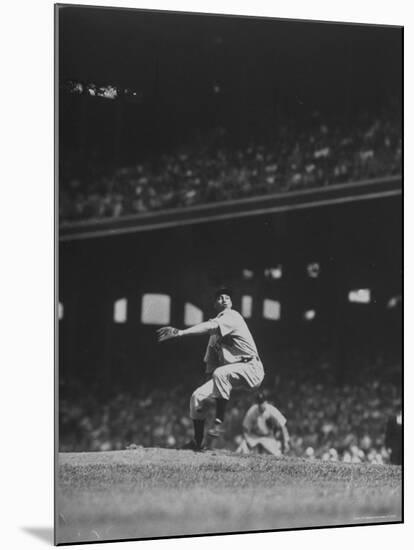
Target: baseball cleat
{"type": "Point", "coordinates": [193, 446]}
{"type": "Point", "coordinates": [217, 430]}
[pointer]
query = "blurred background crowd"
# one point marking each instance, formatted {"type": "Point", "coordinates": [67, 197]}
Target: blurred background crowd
{"type": "Point", "coordinates": [325, 151]}
{"type": "Point", "coordinates": [326, 419]}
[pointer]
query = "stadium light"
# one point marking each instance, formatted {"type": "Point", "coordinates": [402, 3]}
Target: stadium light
{"type": "Point", "coordinates": [360, 296]}
{"type": "Point", "coordinates": [120, 310]}
{"type": "Point", "coordinates": [248, 274]}
{"type": "Point", "coordinates": [309, 315]}
{"type": "Point", "coordinates": [313, 270]}
{"type": "Point", "coordinates": [155, 309]}
{"type": "Point", "coordinates": [273, 272]}
{"type": "Point", "coordinates": [192, 315]}
{"type": "Point", "coordinates": [247, 306]}
{"type": "Point", "coordinates": [271, 309]}
{"type": "Point", "coordinates": [394, 302]}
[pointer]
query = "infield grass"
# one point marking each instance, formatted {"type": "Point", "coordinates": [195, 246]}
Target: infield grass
{"type": "Point", "coordinates": [147, 493]}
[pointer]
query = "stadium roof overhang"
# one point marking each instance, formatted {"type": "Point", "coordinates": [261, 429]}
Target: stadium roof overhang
{"type": "Point", "coordinates": [254, 206]}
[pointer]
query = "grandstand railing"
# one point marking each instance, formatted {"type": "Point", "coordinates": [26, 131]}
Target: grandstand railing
{"type": "Point", "coordinates": [236, 208]}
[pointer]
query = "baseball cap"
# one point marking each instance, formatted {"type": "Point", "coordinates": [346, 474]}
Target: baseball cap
{"type": "Point", "coordinates": [224, 290]}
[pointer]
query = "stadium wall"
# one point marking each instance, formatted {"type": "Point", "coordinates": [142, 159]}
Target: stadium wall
{"type": "Point", "coordinates": [357, 245]}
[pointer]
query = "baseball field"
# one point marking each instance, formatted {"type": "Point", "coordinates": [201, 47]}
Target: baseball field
{"type": "Point", "coordinates": [147, 493]}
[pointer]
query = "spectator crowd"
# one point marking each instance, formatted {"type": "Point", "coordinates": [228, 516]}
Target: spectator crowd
{"type": "Point", "coordinates": [320, 153]}
{"type": "Point", "coordinates": [325, 420]}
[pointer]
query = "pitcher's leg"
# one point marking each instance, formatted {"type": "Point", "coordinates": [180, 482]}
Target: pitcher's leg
{"type": "Point", "coordinates": [237, 375]}
{"type": "Point", "coordinates": [199, 400]}
{"type": "Point", "coordinates": [226, 378]}
{"type": "Point", "coordinates": [198, 410]}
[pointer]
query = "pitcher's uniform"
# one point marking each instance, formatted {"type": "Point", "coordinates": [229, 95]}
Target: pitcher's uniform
{"type": "Point", "coordinates": [232, 360]}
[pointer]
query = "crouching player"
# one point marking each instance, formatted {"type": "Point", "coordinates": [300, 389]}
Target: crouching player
{"type": "Point", "coordinates": [261, 426]}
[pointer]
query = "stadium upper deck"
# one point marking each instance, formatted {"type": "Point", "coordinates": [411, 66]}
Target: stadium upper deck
{"type": "Point", "coordinates": [325, 154]}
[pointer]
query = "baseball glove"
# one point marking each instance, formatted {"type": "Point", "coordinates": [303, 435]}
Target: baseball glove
{"type": "Point", "coordinates": [166, 333]}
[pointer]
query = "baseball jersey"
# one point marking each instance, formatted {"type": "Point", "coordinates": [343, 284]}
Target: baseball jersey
{"type": "Point", "coordinates": [231, 342]}
{"type": "Point", "coordinates": [256, 422]}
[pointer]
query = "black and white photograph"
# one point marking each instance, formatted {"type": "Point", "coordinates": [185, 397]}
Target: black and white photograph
{"type": "Point", "coordinates": [229, 274]}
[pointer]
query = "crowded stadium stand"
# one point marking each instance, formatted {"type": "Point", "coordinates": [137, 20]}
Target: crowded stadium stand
{"type": "Point", "coordinates": [326, 421]}
{"type": "Point", "coordinates": [328, 151]}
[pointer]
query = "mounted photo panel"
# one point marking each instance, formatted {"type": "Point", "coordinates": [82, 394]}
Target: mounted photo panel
{"type": "Point", "coordinates": [229, 323]}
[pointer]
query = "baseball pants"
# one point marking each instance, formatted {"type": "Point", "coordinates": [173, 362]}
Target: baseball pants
{"type": "Point", "coordinates": [224, 379]}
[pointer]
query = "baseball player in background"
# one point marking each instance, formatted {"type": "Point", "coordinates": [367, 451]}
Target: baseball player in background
{"type": "Point", "coordinates": [261, 424]}
{"type": "Point", "coordinates": [231, 359]}
{"type": "Point", "coordinates": [393, 438]}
